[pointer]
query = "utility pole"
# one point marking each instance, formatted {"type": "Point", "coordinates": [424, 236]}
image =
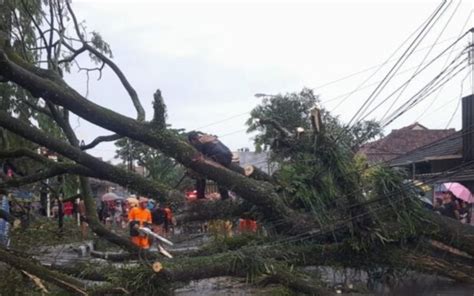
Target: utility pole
{"type": "Point", "coordinates": [471, 59]}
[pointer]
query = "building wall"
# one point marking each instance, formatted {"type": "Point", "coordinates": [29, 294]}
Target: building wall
{"type": "Point", "coordinates": [444, 165]}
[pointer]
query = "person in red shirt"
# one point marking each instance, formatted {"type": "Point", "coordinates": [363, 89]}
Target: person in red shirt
{"type": "Point", "coordinates": [168, 219]}
{"type": "Point", "coordinates": [68, 209]}
{"type": "Point", "coordinates": [139, 217]}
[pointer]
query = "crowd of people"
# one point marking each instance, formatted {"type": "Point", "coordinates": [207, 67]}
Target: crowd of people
{"type": "Point", "coordinates": [135, 212]}
{"type": "Point", "coordinates": [450, 206]}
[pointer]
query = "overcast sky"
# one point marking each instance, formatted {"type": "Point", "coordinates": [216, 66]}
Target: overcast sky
{"type": "Point", "coordinates": [210, 58]}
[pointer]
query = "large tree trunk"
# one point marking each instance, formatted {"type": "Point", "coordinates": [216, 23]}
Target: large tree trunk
{"type": "Point", "coordinates": [449, 231]}
{"type": "Point", "coordinates": [63, 281]}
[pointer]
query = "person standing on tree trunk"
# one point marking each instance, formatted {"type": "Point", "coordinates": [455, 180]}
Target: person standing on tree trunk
{"type": "Point", "coordinates": [210, 147]}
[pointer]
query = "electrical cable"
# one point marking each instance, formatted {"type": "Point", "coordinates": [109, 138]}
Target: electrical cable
{"type": "Point", "coordinates": [435, 78]}
{"type": "Point", "coordinates": [391, 56]}
{"type": "Point", "coordinates": [445, 63]}
{"type": "Point", "coordinates": [459, 101]}
{"type": "Point", "coordinates": [423, 60]}
{"type": "Point", "coordinates": [400, 61]}
{"type": "Point", "coordinates": [345, 77]}
{"type": "Point", "coordinates": [416, 100]}
{"type": "Point", "coordinates": [418, 72]}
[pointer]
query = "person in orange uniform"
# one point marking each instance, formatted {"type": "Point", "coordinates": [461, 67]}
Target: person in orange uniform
{"type": "Point", "coordinates": [139, 217]}
{"type": "Point", "coordinates": [247, 225]}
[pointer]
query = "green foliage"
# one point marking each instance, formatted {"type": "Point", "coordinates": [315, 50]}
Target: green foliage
{"type": "Point", "coordinates": [14, 283]}
{"type": "Point", "coordinates": [139, 280]}
{"type": "Point", "coordinates": [320, 174]}
{"type": "Point", "coordinates": [400, 200]}
{"type": "Point", "coordinates": [44, 232]}
{"type": "Point", "coordinates": [224, 244]}
{"type": "Point", "coordinates": [293, 110]}
{"type": "Point", "coordinates": [103, 47]}
{"type": "Point", "coordinates": [290, 110]}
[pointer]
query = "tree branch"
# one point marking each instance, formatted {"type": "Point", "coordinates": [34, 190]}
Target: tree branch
{"type": "Point", "coordinates": [38, 108]}
{"type": "Point", "coordinates": [61, 280]}
{"type": "Point", "coordinates": [35, 23]}
{"type": "Point", "coordinates": [75, 53]}
{"type": "Point", "coordinates": [131, 91]}
{"type": "Point", "coordinates": [449, 231]}
{"type": "Point", "coordinates": [24, 152]}
{"type": "Point", "coordinates": [128, 87]}
{"type": "Point", "coordinates": [101, 139]}
{"type": "Point", "coordinates": [283, 131]}
{"type": "Point", "coordinates": [105, 170]}
{"type": "Point", "coordinates": [159, 107]}
{"type": "Point", "coordinates": [56, 170]}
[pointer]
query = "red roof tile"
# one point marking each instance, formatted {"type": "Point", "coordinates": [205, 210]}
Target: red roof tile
{"type": "Point", "coordinates": [401, 141]}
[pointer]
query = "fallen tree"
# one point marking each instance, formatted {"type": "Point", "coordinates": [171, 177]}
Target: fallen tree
{"type": "Point", "coordinates": [322, 204]}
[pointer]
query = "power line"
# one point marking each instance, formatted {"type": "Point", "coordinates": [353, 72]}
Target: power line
{"type": "Point", "coordinates": [365, 87]}
{"type": "Point", "coordinates": [417, 73]}
{"type": "Point", "coordinates": [428, 91]}
{"type": "Point", "coordinates": [433, 81]}
{"type": "Point", "coordinates": [383, 64]}
{"type": "Point", "coordinates": [425, 90]}
{"type": "Point", "coordinates": [223, 120]}
{"type": "Point", "coordinates": [234, 132]}
{"type": "Point", "coordinates": [423, 60]}
{"type": "Point", "coordinates": [445, 63]}
{"type": "Point", "coordinates": [323, 101]}
{"type": "Point", "coordinates": [459, 101]}
{"type": "Point", "coordinates": [373, 67]}
{"type": "Point", "coordinates": [339, 80]}
{"type": "Point", "coordinates": [405, 55]}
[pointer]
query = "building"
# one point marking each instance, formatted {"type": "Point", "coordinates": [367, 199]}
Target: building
{"type": "Point", "coordinates": [449, 159]}
{"type": "Point", "coordinates": [401, 141]}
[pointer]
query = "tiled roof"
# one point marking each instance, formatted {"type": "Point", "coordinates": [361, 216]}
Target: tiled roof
{"type": "Point", "coordinates": [448, 146]}
{"type": "Point", "coordinates": [401, 141]}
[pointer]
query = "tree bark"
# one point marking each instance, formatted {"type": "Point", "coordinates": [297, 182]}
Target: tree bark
{"type": "Point", "coordinates": [105, 170]}
{"type": "Point", "coordinates": [65, 282]}
{"type": "Point", "coordinates": [449, 231]}
{"type": "Point", "coordinates": [56, 170]}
